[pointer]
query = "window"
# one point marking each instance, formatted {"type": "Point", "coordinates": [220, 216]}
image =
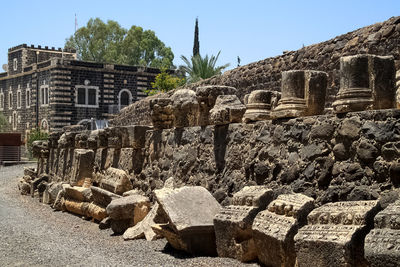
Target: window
{"type": "Point", "coordinates": [10, 99]}
{"type": "Point", "coordinates": [44, 95]}
{"type": "Point", "coordinates": [28, 96]}
{"type": "Point", "coordinates": [19, 101]}
{"type": "Point", "coordinates": [44, 125]}
{"type": "Point", "coordinates": [1, 100]}
{"type": "Point", "coordinates": [124, 98]}
{"type": "Point", "coordinates": [87, 96]}
{"type": "Point", "coordinates": [15, 64]}
{"type": "Point", "coordinates": [14, 121]}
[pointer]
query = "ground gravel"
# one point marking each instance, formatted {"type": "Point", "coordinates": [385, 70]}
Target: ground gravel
{"type": "Point", "coordinates": [31, 233]}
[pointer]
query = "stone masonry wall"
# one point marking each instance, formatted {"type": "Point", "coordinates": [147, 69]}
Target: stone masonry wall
{"type": "Point", "coordinates": [379, 39]}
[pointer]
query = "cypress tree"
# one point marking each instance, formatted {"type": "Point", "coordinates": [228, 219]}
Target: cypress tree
{"type": "Point", "coordinates": [196, 45]}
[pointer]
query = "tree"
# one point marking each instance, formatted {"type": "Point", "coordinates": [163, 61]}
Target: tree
{"type": "Point", "coordinates": [164, 82]}
{"type": "Point", "coordinates": [199, 67]}
{"type": "Point", "coordinates": [111, 43]}
{"type": "Point", "coordinates": [35, 135]}
{"type": "Point", "coordinates": [196, 43]}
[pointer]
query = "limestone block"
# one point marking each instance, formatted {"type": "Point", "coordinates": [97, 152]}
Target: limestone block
{"type": "Point", "coordinates": [53, 189]}
{"type": "Point", "coordinates": [130, 160]}
{"type": "Point", "coordinates": [234, 238]}
{"type": "Point", "coordinates": [258, 106]}
{"type": "Point", "coordinates": [185, 108]}
{"type": "Point", "coordinates": [100, 159]}
{"type": "Point", "coordinates": [87, 209]}
{"type": "Point", "coordinates": [81, 139]}
{"type": "Point", "coordinates": [38, 147]}
{"type": "Point", "coordinates": [366, 82]}
{"type": "Point", "coordinates": [227, 109]}
{"type": "Point", "coordinates": [206, 97]}
{"type": "Point", "coordinates": [116, 181]}
{"type": "Point", "coordinates": [382, 244]}
{"type": "Point", "coordinates": [133, 136]}
{"type": "Point", "coordinates": [303, 94]}
{"type": "Point", "coordinates": [24, 187]}
{"type": "Point", "coordinates": [190, 212]}
{"type": "Point", "coordinates": [335, 233]}
{"type": "Point", "coordinates": [274, 229]}
{"type": "Point", "coordinates": [31, 172]}
{"type": "Point", "coordinates": [78, 193]}
{"type": "Point", "coordinates": [53, 138]}
{"type": "Point", "coordinates": [67, 140]}
{"type": "Point", "coordinates": [102, 197]}
{"type": "Point", "coordinates": [97, 139]}
{"type": "Point", "coordinates": [82, 166]}
{"type": "Point", "coordinates": [161, 113]}
{"type": "Point", "coordinates": [135, 206]}
{"type": "Point", "coordinates": [112, 157]}
{"type": "Point", "coordinates": [143, 228]}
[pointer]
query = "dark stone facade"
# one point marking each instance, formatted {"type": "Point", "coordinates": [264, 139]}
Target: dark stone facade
{"type": "Point", "coordinates": [43, 83]}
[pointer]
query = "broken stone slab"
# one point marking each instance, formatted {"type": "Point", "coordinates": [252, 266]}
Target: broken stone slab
{"type": "Point", "coordinates": [303, 94]}
{"type": "Point", "coordinates": [133, 192]}
{"type": "Point", "coordinates": [227, 109]}
{"type": "Point", "coordinates": [185, 108]}
{"type": "Point", "coordinates": [24, 187]}
{"type": "Point", "coordinates": [382, 244]}
{"type": "Point", "coordinates": [31, 172]}
{"type": "Point", "coordinates": [116, 181]}
{"type": "Point", "coordinates": [112, 157]}
{"type": "Point", "coordinates": [334, 235]}
{"type": "Point", "coordinates": [134, 206]}
{"type": "Point", "coordinates": [206, 97]}
{"type": "Point", "coordinates": [102, 197]}
{"type": "Point", "coordinates": [366, 82]}
{"type": "Point", "coordinates": [233, 223]}
{"type": "Point", "coordinates": [36, 182]}
{"type": "Point", "coordinates": [78, 193]}
{"type": "Point", "coordinates": [258, 106]}
{"type": "Point", "coordinates": [143, 228]}
{"type": "Point", "coordinates": [86, 209]}
{"type": "Point", "coordinates": [274, 229]}
{"type": "Point", "coordinates": [82, 166]}
{"type": "Point", "coordinates": [190, 211]}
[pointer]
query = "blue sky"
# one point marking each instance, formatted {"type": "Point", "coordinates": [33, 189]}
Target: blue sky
{"type": "Point", "coordinates": [251, 29]}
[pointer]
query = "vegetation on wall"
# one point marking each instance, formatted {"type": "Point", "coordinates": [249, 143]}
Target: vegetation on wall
{"type": "Point", "coordinates": [3, 123]}
{"type": "Point", "coordinates": [111, 43]}
{"type": "Point", "coordinates": [35, 135]}
{"type": "Point", "coordinates": [164, 82]}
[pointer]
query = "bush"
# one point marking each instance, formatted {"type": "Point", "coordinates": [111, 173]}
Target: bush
{"type": "Point", "coordinates": [35, 135]}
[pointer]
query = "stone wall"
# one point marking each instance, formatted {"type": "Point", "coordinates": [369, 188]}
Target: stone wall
{"type": "Point", "coordinates": [380, 39]}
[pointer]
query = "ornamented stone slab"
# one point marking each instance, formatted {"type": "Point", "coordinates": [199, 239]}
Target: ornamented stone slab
{"type": "Point", "coordinates": [258, 106]}
{"type": "Point", "coordinates": [274, 229]}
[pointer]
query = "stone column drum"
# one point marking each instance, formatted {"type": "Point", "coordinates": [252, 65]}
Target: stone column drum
{"type": "Point", "coordinates": [258, 106]}
{"type": "Point", "coordinates": [303, 94]}
{"type": "Point", "coordinates": [366, 82]}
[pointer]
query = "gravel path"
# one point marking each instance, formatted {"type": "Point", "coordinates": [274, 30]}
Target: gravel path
{"type": "Point", "coordinates": [33, 234]}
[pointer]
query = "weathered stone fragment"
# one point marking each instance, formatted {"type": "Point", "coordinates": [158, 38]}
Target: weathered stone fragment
{"type": "Point", "coordinates": [100, 159]}
{"type": "Point", "coordinates": [335, 234]}
{"type": "Point", "coordinates": [78, 193]}
{"type": "Point", "coordinates": [116, 181]}
{"type": "Point", "coordinates": [135, 206]}
{"type": "Point", "coordinates": [227, 109]}
{"type": "Point", "coordinates": [367, 82]}
{"type": "Point", "coordinates": [233, 223]}
{"type": "Point", "coordinates": [303, 94]}
{"type": "Point", "coordinates": [382, 244]}
{"type": "Point", "coordinates": [185, 108]}
{"type": "Point", "coordinates": [82, 166]}
{"type": "Point", "coordinates": [161, 113]}
{"type": "Point", "coordinates": [190, 212]}
{"type": "Point", "coordinates": [102, 197]}
{"type": "Point", "coordinates": [86, 209]}
{"type": "Point", "coordinates": [24, 187]}
{"type": "Point", "coordinates": [274, 229]}
{"type": "Point", "coordinates": [206, 96]}
{"type": "Point", "coordinates": [258, 106]}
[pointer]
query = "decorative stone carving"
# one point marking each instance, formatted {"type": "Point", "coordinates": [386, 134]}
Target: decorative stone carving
{"type": "Point", "coordinates": [190, 211]}
{"type": "Point", "coordinates": [206, 97]}
{"type": "Point", "coordinates": [274, 229]}
{"type": "Point", "coordinates": [303, 94]}
{"type": "Point", "coordinates": [115, 181]}
{"type": "Point", "coordinates": [258, 106]}
{"type": "Point", "coordinates": [366, 82]}
{"type": "Point", "coordinates": [335, 233]}
{"type": "Point", "coordinates": [382, 244]}
{"type": "Point", "coordinates": [227, 109]}
{"type": "Point", "coordinates": [232, 224]}
{"type": "Point", "coordinates": [161, 113]}
{"type": "Point", "coordinates": [185, 108]}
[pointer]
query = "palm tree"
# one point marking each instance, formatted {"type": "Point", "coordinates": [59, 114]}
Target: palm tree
{"type": "Point", "coordinates": [202, 67]}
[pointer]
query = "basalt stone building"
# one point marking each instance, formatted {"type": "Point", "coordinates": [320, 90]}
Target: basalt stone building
{"type": "Point", "coordinates": [49, 88]}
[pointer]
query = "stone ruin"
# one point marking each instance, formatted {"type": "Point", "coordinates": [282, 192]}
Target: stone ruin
{"type": "Point", "coordinates": [274, 179]}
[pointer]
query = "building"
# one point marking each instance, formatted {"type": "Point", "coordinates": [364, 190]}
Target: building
{"type": "Point", "coordinates": [49, 88]}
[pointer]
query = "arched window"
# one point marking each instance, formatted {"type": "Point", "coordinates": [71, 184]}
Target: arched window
{"type": "Point", "coordinates": [44, 125]}
{"type": "Point", "coordinates": [124, 98]}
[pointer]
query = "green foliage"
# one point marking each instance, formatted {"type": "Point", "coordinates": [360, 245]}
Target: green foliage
{"type": "Point", "coordinates": [35, 135]}
{"type": "Point", "coordinates": [110, 43]}
{"type": "Point", "coordinates": [196, 43]}
{"type": "Point", "coordinates": [164, 82]}
{"type": "Point", "coordinates": [3, 123]}
{"type": "Point", "coordinates": [202, 67]}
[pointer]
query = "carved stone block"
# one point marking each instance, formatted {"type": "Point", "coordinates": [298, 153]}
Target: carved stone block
{"type": "Point", "coordinates": [274, 229]}
{"type": "Point", "coordinates": [227, 109]}
{"type": "Point", "coordinates": [185, 108]}
{"type": "Point", "coordinates": [366, 82]}
{"type": "Point", "coordinates": [258, 106]}
{"type": "Point", "coordinates": [82, 166]}
{"type": "Point", "coordinates": [161, 113]}
{"type": "Point", "coordinates": [116, 181]}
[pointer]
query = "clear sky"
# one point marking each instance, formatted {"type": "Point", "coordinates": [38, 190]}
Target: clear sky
{"type": "Point", "coordinates": [251, 29]}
